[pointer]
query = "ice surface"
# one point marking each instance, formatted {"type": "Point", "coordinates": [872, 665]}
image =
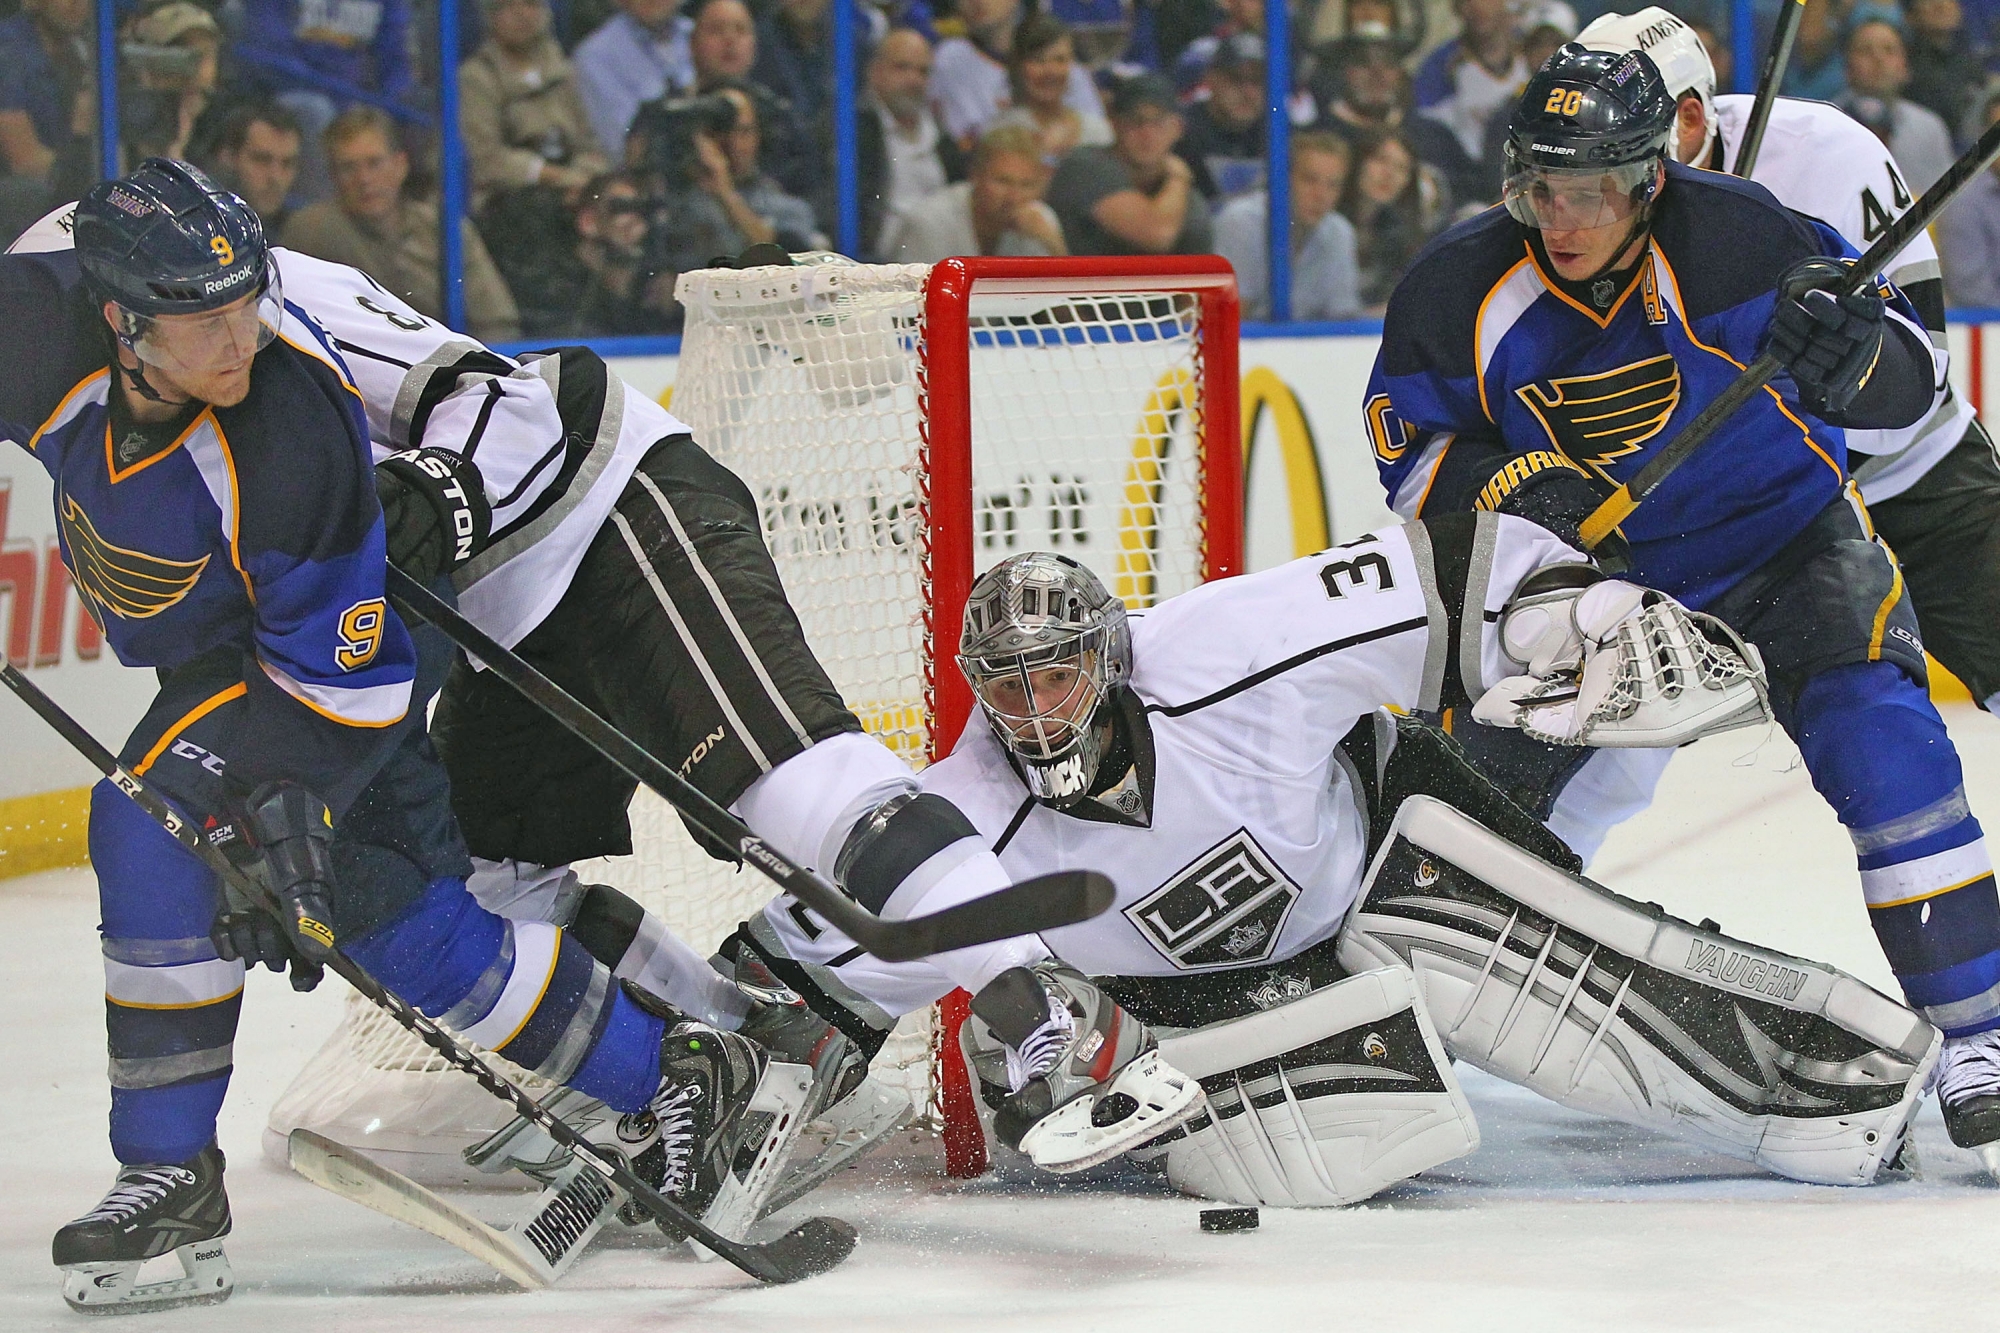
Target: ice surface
{"type": "Point", "coordinates": [1558, 1221]}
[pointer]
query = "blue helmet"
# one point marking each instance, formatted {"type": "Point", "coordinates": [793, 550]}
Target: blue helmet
{"type": "Point", "coordinates": [1587, 110]}
{"type": "Point", "coordinates": [167, 240]}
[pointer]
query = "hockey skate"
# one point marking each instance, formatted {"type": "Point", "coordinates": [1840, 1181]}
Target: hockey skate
{"type": "Point", "coordinates": [151, 1210]}
{"type": "Point", "coordinates": [1085, 1080]}
{"type": "Point", "coordinates": [1968, 1091]}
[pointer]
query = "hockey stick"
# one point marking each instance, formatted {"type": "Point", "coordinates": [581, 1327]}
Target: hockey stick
{"type": "Point", "coordinates": [1041, 903]}
{"type": "Point", "coordinates": [1765, 368]}
{"type": "Point", "coordinates": [1767, 87]}
{"type": "Point", "coordinates": [814, 1246]}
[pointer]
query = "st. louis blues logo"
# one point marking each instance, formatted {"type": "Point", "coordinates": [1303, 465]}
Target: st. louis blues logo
{"type": "Point", "coordinates": [1597, 419]}
{"type": "Point", "coordinates": [116, 580]}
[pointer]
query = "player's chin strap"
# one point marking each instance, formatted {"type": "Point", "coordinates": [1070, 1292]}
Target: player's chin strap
{"type": "Point", "coordinates": [134, 375]}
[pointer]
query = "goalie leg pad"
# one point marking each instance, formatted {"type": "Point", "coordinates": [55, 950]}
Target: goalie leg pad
{"type": "Point", "coordinates": [1323, 1101]}
{"type": "Point", "coordinates": [1612, 1006]}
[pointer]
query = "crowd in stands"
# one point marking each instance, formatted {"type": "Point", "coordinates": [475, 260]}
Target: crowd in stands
{"type": "Point", "coordinates": [611, 145]}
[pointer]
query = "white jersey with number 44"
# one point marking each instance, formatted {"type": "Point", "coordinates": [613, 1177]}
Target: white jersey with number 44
{"type": "Point", "coordinates": [1822, 162]}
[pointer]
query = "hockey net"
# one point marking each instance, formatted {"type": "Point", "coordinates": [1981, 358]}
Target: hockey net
{"type": "Point", "coordinates": [903, 427]}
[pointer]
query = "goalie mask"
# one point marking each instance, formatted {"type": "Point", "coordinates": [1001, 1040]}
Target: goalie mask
{"type": "Point", "coordinates": [1043, 647]}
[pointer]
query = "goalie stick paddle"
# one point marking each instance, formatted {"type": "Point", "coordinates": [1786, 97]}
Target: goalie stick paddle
{"type": "Point", "coordinates": [1765, 368]}
{"type": "Point", "coordinates": [1041, 903]}
{"type": "Point", "coordinates": [1767, 88]}
{"type": "Point", "coordinates": [814, 1246]}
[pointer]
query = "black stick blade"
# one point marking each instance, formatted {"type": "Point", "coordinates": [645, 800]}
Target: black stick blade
{"type": "Point", "coordinates": [808, 1249]}
{"type": "Point", "coordinates": [1042, 903]}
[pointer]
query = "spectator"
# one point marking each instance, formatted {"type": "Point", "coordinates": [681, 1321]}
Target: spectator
{"type": "Point", "coordinates": [1134, 197]}
{"type": "Point", "coordinates": [257, 156]}
{"type": "Point", "coordinates": [1816, 70]}
{"type": "Point", "coordinates": [1464, 81]}
{"type": "Point", "coordinates": [1393, 208]}
{"type": "Point", "coordinates": [531, 150]}
{"type": "Point", "coordinates": [1179, 24]}
{"type": "Point", "coordinates": [997, 212]}
{"type": "Point", "coordinates": [1470, 194]}
{"type": "Point", "coordinates": [46, 109]}
{"type": "Point", "coordinates": [169, 70]}
{"type": "Point", "coordinates": [724, 49]}
{"type": "Point", "coordinates": [1877, 72]}
{"type": "Point", "coordinates": [317, 56]}
{"type": "Point", "coordinates": [1969, 236]}
{"type": "Point", "coordinates": [723, 43]}
{"type": "Point", "coordinates": [904, 157]}
{"type": "Point", "coordinates": [1364, 88]}
{"type": "Point", "coordinates": [1224, 141]}
{"type": "Point", "coordinates": [727, 203]}
{"type": "Point", "coordinates": [1947, 74]}
{"type": "Point", "coordinates": [617, 298]}
{"type": "Point", "coordinates": [1720, 54]}
{"type": "Point", "coordinates": [1039, 71]}
{"type": "Point", "coordinates": [969, 76]}
{"type": "Point", "coordinates": [1326, 282]}
{"type": "Point", "coordinates": [1238, 17]}
{"type": "Point", "coordinates": [642, 52]}
{"type": "Point", "coordinates": [795, 54]}
{"type": "Point", "coordinates": [370, 225]}
{"type": "Point", "coordinates": [520, 114]}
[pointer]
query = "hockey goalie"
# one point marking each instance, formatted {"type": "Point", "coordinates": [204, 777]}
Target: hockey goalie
{"type": "Point", "coordinates": [1321, 905]}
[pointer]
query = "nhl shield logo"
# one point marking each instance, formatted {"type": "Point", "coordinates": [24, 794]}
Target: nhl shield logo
{"type": "Point", "coordinates": [1598, 419]}
{"type": "Point", "coordinates": [1224, 909]}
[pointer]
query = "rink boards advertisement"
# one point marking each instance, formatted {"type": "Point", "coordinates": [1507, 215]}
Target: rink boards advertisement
{"type": "Point", "coordinates": [1310, 482]}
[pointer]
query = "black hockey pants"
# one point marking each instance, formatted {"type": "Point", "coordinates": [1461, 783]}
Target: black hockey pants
{"type": "Point", "coordinates": [676, 629]}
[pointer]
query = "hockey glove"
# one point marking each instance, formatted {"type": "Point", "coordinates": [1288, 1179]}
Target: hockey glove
{"type": "Point", "coordinates": [1829, 343]}
{"type": "Point", "coordinates": [291, 830]}
{"type": "Point", "coordinates": [1548, 490]}
{"type": "Point", "coordinates": [434, 511]}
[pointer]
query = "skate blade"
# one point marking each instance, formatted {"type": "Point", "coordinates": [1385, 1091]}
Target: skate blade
{"type": "Point", "coordinates": [782, 1094]}
{"type": "Point", "coordinates": [522, 1145]}
{"type": "Point", "coordinates": [848, 1130]}
{"type": "Point", "coordinates": [1065, 1140]}
{"type": "Point", "coordinates": [1989, 1157]}
{"type": "Point", "coordinates": [113, 1288]}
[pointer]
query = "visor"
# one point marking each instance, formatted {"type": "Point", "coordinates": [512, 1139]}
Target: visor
{"type": "Point", "coordinates": [1553, 200]}
{"type": "Point", "coordinates": [193, 346]}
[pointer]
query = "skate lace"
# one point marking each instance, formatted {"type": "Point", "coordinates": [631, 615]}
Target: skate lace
{"type": "Point", "coordinates": [137, 1189]}
{"type": "Point", "coordinates": [675, 1110]}
{"type": "Point", "coordinates": [1042, 1049]}
{"type": "Point", "coordinates": [1969, 1067]}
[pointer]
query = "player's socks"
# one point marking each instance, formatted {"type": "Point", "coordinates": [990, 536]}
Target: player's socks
{"type": "Point", "coordinates": [523, 989]}
{"type": "Point", "coordinates": [1878, 752]}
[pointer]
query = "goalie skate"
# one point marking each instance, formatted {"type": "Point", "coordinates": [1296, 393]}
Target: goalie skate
{"type": "Point", "coordinates": [151, 1210]}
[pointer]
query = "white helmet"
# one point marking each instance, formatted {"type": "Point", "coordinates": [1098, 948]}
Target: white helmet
{"type": "Point", "coordinates": [1673, 46]}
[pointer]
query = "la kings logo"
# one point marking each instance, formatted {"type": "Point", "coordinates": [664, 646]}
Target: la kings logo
{"type": "Point", "coordinates": [1223, 910]}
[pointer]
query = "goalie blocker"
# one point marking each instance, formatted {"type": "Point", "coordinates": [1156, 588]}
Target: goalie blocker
{"type": "Point", "coordinates": [1610, 1006]}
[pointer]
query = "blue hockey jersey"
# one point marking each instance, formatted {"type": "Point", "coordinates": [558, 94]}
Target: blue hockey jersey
{"type": "Point", "coordinates": [252, 528]}
{"type": "Point", "coordinates": [1480, 344]}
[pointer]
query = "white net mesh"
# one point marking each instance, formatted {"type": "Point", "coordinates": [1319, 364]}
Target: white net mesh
{"type": "Point", "coordinates": [810, 384]}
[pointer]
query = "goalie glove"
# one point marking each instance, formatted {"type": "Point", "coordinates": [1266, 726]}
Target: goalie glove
{"type": "Point", "coordinates": [435, 515]}
{"type": "Point", "coordinates": [1616, 666]}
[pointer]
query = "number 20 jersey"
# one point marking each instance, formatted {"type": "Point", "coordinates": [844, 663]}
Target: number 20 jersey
{"type": "Point", "coordinates": [1245, 688]}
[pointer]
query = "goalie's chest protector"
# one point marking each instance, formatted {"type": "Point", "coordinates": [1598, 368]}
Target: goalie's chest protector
{"type": "Point", "coordinates": [1480, 341]}
{"type": "Point", "coordinates": [1256, 841]}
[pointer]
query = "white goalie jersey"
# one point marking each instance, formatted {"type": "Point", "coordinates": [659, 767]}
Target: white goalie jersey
{"type": "Point", "coordinates": [1257, 836]}
{"type": "Point", "coordinates": [1821, 162]}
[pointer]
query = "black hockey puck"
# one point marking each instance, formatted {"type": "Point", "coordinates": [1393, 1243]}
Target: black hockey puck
{"type": "Point", "coordinates": [1229, 1219]}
